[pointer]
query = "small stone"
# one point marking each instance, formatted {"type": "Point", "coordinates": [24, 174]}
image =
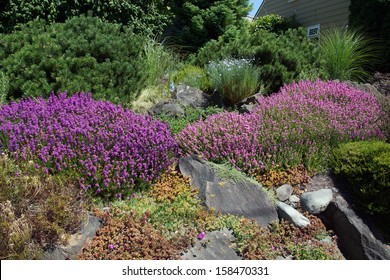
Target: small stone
{"type": "Point", "coordinates": [293, 199]}
{"type": "Point", "coordinates": [317, 201]}
{"type": "Point", "coordinates": [284, 192]}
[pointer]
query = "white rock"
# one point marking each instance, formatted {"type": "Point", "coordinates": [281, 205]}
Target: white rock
{"type": "Point", "coordinates": [290, 214]}
{"type": "Point", "coordinates": [317, 201]}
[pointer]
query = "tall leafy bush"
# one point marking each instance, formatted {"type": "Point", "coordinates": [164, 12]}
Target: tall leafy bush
{"type": "Point", "coordinates": [109, 148]}
{"type": "Point", "coordinates": [282, 57]}
{"type": "Point", "coordinates": [82, 54]}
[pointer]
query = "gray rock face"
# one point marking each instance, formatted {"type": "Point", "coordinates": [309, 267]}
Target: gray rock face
{"type": "Point", "coordinates": [216, 245]}
{"type": "Point", "coordinates": [190, 96]}
{"type": "Point", "coordinates": [167, 107]}
{"type": "Point", "coordinates": [293, 199]}
{"type": "Point", "coordinates": [237, 196]}
{"type": "Point", "coordinates": [284, 192]}
{"type": "Point", "coordinates": [357, 242]}
{"type": "Point", "coordinates": [76, 242]}
{"type": "Point", "coordinates": [248, 104]}
{"type": "Point", "coordinates": [288, 213]}
{"type": "Point", "coordinates": [317, 201]}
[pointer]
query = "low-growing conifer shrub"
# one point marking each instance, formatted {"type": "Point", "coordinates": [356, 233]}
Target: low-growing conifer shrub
{"type": "Point", "coordinates": [366, 167]}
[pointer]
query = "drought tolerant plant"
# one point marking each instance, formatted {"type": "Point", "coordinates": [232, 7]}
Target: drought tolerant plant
{"type": "Point", "coordinates": [4, 87]}
{"type": "Point", "coordinates": [144, 17]}
{"type": "Point", "coordinates": [298, 125]}
{"type": "Point", "coordinates": [125, 236]}
{"type": "Point", "coordinates": [366, 167]}
{"type": "Point", "coordinates": [234, 79]}
{"type": "Point", "coordinates": [82, 54]}
{"type": "Point", "coordinates": [110, 148]}
{"type": "Point", "coordinates": [36, 209]}
{"type": "Point", "coordinates": [346, 55]}
{"type": "Point", "coordinates": [191, 115]}
{"type": "Point", "coordinates": [192, 76]}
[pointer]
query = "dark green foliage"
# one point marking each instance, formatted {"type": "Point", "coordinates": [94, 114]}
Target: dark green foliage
{"type": "Point", "coordinates": [146, 17]}
{"type": "Point", "coordinates": [82, 54]}
{"type": "Point", "coordinates": [196, 22]}
{"type": "Point", "coordinates": [282, 58]}
{"type": "Point", "coordinates": [373, 17]}
{"type": "Point", "coordinates": [366, 166]}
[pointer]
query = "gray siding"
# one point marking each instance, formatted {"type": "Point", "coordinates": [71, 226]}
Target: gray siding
{"type": "Point", "coordinates": [309, 12]}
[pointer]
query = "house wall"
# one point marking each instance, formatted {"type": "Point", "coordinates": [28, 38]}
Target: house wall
{"type": "Point", "coordinates": [328, 13]}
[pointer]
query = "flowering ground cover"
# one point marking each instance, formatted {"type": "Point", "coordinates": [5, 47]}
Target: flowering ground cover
{"type": "Point", "coordinates": [107, 147]}
{"type": "Point", "coordinates": [299, 124]}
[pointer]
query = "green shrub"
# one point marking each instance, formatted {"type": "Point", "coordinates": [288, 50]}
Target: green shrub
{"type": "Point", "coordinates": [146, 17]}
{"type": "Point", "coordinates": [234, 79]}
{"type": "Point", "coordinates": [373, 17]}
{"type": "Point", "coordinates": [346, 55]}
{"type": "Point", "coordinates": [273, 23]}
{"type": "Point", "coordinates": [82, 54]}
{"type": "Point", "coordinates": [192, 76]}
{"type": "Point", "coordinates": [282, 57]}
{"type": "Point", "coordinates": [366, 166]}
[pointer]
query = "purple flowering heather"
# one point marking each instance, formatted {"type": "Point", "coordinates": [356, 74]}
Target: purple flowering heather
{"type": "Point", "coordinates": [299, 124]}
{"type": "Point", "coordinates": [108, 146]}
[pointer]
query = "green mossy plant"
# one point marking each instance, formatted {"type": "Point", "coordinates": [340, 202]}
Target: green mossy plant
{"type": "Point", "coordinates": [366, 167]}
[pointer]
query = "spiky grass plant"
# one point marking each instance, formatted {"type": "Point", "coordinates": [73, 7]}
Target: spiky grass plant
{"type": "Point", "coordinates": [4, 87]}
{"type": "Point", "coordinates": [347, 54]}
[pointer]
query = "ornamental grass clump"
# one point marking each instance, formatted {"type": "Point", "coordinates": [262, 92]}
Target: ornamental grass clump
{"type": "Point", "coordinates": [298, 125]}
{"type": "Point", "coordinates": [108, 147]}
{"type": "Point", "coordinates": [235, 79]}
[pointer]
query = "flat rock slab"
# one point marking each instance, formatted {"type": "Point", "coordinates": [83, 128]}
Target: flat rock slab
{"type": "Point", "coordinates": [357, 242]}
{"type": "Point", "coordinates": [231, 194]}
{"type": "Point", "coordinates": [76, 242]}
{"type": "Point", "coordinates": [216, 245]}
{"type": "Point", "coordinates": [288, 213]}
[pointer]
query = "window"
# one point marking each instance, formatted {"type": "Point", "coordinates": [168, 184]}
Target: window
{"type": "Point", "coordinates": [313, 31]}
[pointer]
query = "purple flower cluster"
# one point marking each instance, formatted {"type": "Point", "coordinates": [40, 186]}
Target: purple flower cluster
{"type": "Point", "coordinates": [109, 147]}
{"type": "Point", "coordinates": [299, 124]}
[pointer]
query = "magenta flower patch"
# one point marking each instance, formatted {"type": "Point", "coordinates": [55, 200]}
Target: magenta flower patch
{"type": "Point", "coordinates": [107, 146]}
{"type": "Point", "coordinates": [299, 124]}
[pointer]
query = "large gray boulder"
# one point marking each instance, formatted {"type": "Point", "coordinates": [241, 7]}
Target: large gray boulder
{"type": "Point", "coordinates": [216, 245]}
{"type": "Point", "coordinates": [190, 96]}
{"type": "Point", "coordinates": [228, 191]}
{"type": "Point", "coordinates": [288, 213]}
{"type": "Point", "coordinates": [317, 201]}
{"type": "Point", "coordinates": [357, 241]}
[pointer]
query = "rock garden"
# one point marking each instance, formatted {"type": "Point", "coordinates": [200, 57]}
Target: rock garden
{"type": "Point", "coordinates": [251, 146]}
